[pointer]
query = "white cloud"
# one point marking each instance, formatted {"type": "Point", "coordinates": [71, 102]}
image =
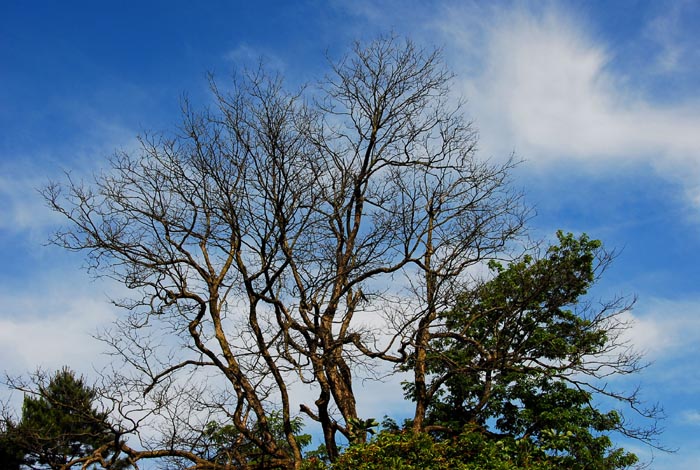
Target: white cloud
{"type": "Point", "coordinates": [54, 341]}
{"type": "Point", "coordinates": [668, 33]}
{"type": "Point", "coordinates": [52, 327]}
{"type": "Point", "coordinates": [49, 323]}
{"type": "Point", "coordinates": [691, 417]}
{"type": "Point", "coordinates": [23, 175]}
{"type": "Point", "coordinates": [663, 328]}
{"type": "Point", "coordinates": [24, 209]}
{"type": "Point", "coordinates": [246, 56]}
{"type": "Point", "coordinates": [545, 90]}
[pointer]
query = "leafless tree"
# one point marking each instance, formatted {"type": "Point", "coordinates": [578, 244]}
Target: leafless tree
{"type": "Point", "coordinates": [259, 237]}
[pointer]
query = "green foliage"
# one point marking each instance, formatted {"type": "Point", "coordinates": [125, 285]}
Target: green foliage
{"type": "Point", "coordinates": [470, 450]}
{"type": "Point", "coordinates": [11, 453]}
{"type": "Point", "coordinates": [61, 423]}
{"type": "Point", "coordinates": [505, 359]}
{"type": "Point", "coordinates": [316, 459]}
{"type": "Point", "coordinates": [506, 369]}
{"type": "Point", "coordinates": [224, 444]}
{"type": "Point", "coordinates": [359, 428]}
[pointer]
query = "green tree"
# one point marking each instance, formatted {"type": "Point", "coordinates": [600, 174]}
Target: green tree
{"type": "Point", "coordinates": [225, 445]}
{"type": "Point", "coordinates": [468, 450]}
{"type": "Point", "coordinates": [524, 356]}
{"type": "Point", "coordinates": [11, 453]}
{"type": "Point", "coordinates": [60, 423]}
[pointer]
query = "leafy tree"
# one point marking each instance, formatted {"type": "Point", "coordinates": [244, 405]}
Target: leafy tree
{"type": "Point", "coordinates": [225, 445]}
{"type": "Point", "coordinates": [60, 423]}
{"type": "Point", "coordinates": [513, 372]}
{"type": "Point", "coordinates": [468, 450]}
{"type": "Point", "coordinates": [523, 356]}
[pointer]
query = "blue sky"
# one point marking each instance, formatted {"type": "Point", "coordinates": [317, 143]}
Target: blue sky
{"type": "Point", "coordinates": [600, 99]}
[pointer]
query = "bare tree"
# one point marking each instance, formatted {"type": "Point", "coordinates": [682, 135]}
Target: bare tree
{"type": "Point", "coordinates": [257, 238]}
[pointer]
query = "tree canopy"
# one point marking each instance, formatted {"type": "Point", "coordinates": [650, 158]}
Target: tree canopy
{"type": "Point", "coordinates": [264, 237]}
{"type": "Point", "coordinates": [523, 356]}
{"type": "Point", "coordinates": [11, 453]}
{"type": "Point", "coordinates": [60, 425]}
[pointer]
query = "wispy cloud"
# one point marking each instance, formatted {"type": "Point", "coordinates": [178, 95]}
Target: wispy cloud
{"type": "Point", "coordinates": [52, 330]}
{"type": "Point", "coordinates": [664, 328]}
{"type": "Point", "coordinates": [24, 173]}
{"type": "Point", "coordinates": [544, 88]}
{"type": "Point", "coordinates": [668, 32]}
{"type": "Point", "coordinates": [23, 208]}
{"type": "Point", "coordinates": [691, 417]}
{"type": "Point", "coordinates": [247, 56]}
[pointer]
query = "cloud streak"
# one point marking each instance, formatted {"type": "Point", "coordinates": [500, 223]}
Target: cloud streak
{"type": "Point", "coordinates": [691, 417]}
{"type": "Point", "coordinates": [546, 89]}
{"type": "Point", "coordinates": [53, 328]}
{"type": "Point", "coordinates": [665, 328]}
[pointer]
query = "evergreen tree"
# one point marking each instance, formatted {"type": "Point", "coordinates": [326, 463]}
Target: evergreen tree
{"type": "Point", "coordinates": [60, 423]}
{"type": "Point", "coordinates": [11, 453]}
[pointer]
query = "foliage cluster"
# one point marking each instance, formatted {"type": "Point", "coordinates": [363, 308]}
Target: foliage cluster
{"type": "Point", "coordinates": [469, 450]}
{"type": "Point", "coordinates": [523, 356]}
{"type": "Point", "coordinates": [59, 426]}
